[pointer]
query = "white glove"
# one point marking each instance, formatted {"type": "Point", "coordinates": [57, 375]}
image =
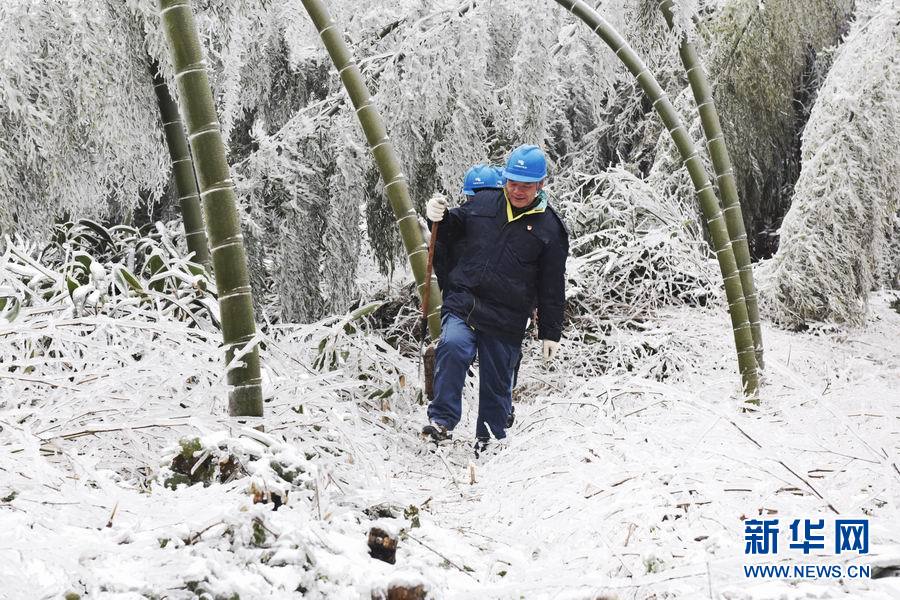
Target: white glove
{"type": "Point", "coordinates": [550, 349]}
{"type": "Point", "coordinates": [434, 208]}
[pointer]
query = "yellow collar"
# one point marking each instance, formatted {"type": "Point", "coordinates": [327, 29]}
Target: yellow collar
{"type": "Point", "coordinates": [539, 208]}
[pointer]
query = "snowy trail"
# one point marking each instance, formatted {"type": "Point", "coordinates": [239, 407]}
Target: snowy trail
{"type": "Point", "coordinates": [637, 487]}
{"type": "Point", "coordinates": [615, 485]}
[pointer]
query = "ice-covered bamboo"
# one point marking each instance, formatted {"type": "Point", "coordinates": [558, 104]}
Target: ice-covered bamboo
{"type": "Point", "coordinates": [396, 186]}
{"type": "Point", "coordinates": [182, 169]}
{"type": "Point", "coordinates": [709, 203]}
{"type": "Point", "coordinates": [721, 160]}
{"type": "Point", "coordinates": [216, 187]}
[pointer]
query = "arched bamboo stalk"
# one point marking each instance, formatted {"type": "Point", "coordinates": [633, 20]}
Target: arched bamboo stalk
{"type": "Point", "coordinates": [737, 308]}
{"type": "Point", "coordinates": [182, 169]}
{"type": "Point", "coordinates": [395, 182]}
{"type": "Point", "coordinates": [721, 160]}
{"type": "Point", "coordinates": [223, 224]}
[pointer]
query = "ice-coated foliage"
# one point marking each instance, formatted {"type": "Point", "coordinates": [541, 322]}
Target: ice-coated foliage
{"type": "Point", "coordinates": [513, 77]}
{"type": "Point", "coordinates": [762, 60]}
{"type": "Point", "coordinates": [766, 61]}
{"type": "Point", "coordinates": [302, 167]}
{"type": "Point", "coordinates": [81, 133]}
{"type": "Point", "coordinates": [633, 251]}
{"type": "Point", "coordinates": [304, 220]}
{"type": "Point", "coordinates": [80, 124]}
{"type": "Point", "coordinates": [243, 42]}
{"type": "Point", "coordinates": [88, 269]}
{"type": "Point", "coordinates": [840, 239]}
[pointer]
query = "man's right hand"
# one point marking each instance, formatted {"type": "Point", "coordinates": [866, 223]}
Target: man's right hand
{"type": "Point", "coordinates": [434, 208]}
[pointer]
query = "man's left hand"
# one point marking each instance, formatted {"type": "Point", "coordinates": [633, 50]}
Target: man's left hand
{"type": "Point", "coordinates": [550, 349]}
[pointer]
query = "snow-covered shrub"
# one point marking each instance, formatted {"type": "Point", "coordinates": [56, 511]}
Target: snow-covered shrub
{"type": "Point", "coordinates": [89, 268]}
{"type": "Point", "coordinates": [839, 240]}
{"type": "Point", "coordinates": [632, 253]}
{"type": "Point", "coordinates": [347, 343]}
{"type": "Point", "coordinates": [273, 468]}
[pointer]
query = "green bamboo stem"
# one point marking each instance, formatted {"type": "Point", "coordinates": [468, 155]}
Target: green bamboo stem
{"type": "Point", "coordinates": [223, 224]}
{"type": "Point", "coordinates": [182, 169]}
{"type": "Point", "coordinates": [721, 160]}
{"type": "Point", "coordinates": [709, 204]}
{"type": "Point", "coordinates": [395, 183]}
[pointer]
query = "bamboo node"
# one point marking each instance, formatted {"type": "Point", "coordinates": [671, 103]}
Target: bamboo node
{"type": "Point", "coordinates": [193, 68]}
{"type": "Point", "coordinates": [244, 290]}
{"type": "Point", "coordinates": [256, 384]}
{"type": "Point", "coordinates": [694, 68]}
{"type": "Point", "coordinates": [173, 7]}
{"type": "Point", "coordinates": [205, 130]}
{"type": "Point", "coordinates": [217, 187]}
{"type": "Point", "coordinates": [228, 241]}
{"type": "Point", "coordinates": [399, 179]}
{"type": "Point", "coordinates": [331, 25]}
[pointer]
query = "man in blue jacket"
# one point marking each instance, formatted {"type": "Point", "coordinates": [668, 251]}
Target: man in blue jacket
{"type": "Point", "coordinates": [478, 177]}
{"type": "Point", "coordinates": [513, 258]}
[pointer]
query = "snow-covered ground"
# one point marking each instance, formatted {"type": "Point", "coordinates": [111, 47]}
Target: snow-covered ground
{"type": "Point", "coordinates": [608, 487]}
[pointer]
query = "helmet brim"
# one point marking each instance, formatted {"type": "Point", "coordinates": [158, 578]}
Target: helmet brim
{"type": "Point", "coordinates": [522, 178]}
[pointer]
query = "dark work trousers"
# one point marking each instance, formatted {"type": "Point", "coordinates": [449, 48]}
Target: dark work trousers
{"type": "Point", "coordinates": [497, 363]}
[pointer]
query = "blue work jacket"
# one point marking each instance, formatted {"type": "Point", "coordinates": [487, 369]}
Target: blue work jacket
{"type": "Point", "coordinates": [504, 266]}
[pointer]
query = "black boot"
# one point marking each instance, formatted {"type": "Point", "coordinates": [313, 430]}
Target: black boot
{"type": "Point", "coordinates": [436, 432]}
{"type": "Point", "coordinates": [481, 445]}
{"type": "Point", "coordinates": [511, 418]}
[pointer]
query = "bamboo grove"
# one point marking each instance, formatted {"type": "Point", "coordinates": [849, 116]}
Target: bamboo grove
{"type": "Point", "coordinates": [725, 224]}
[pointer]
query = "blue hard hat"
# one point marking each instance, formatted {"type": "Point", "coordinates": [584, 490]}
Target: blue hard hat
{"type": "Point", "coordinates": [479, 177]}
{"type": "Point", "coordinates": [526, 164]}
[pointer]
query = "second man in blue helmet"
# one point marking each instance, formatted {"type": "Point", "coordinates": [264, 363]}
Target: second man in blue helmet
{"type": "Point", "coordinates": [481, 177]}
{"type": "Point", "coordinates": [477, 178]}
{"type": "Point", "coordinates": [513, 250]}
